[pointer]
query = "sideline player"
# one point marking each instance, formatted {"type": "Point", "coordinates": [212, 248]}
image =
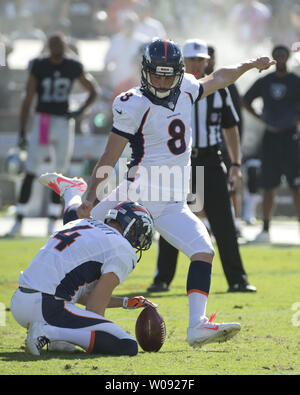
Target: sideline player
{"type": "Point", "coordinates": [155, 118]}
{"type": "Point", "coordinates": [51, 78]}
{"type": "Point", "coordinates": [83, 263]}
{"type": "Point", "coordinates": [280, 152]}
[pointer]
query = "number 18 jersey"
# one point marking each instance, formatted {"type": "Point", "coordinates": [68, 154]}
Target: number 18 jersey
{"type": "Point", "coordinates": [54, 83]}
{"type": "Point", "coordinates": [158, 135]}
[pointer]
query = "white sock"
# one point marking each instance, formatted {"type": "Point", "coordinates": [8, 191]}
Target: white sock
{"type": "Point", "coordinates": [71, 198]}
{"type": "Point", "coordinates": [21, 209]}
{"type": "Point", "coordinates": [197, 308]}
{"type": "Point", "coordinates": [237, 223]}
{"type": "Point", "coordinates": [78, 337]}
{"type": "Point", "coordinates": [250, 203]}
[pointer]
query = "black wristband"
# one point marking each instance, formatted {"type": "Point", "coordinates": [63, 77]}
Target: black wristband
{"type": "Point", "coordinates": [236, 164]}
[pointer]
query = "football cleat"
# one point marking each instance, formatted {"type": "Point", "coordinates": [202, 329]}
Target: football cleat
{"type": "Point", "coordinates": [262, 237]}
{"type": "Point", "coordinates": [208, 332]}
{"type": "Point", "coordinates": [16, 229]}
{"type": "Point", "coordinates": [242, 287]}
{"type": "Point", "coordinates": [158, 287]}
{"type": "Point", "coordinates": [36, 339]}
{"type": "Point", "coordinates": [59, 183]}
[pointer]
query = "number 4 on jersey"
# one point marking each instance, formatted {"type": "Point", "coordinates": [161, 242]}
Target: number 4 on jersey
{"type": "Point", "coordinates": [68, 236]}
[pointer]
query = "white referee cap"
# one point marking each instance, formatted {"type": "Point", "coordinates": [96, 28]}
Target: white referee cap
{"type": "Point", "coordinates": [195, 48]}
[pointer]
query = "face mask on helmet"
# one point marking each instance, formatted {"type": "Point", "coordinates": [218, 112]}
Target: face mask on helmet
{"type": "Point", "coordinates": [136, 223]}
{"type": "Point", "coordinates": [162, 58]}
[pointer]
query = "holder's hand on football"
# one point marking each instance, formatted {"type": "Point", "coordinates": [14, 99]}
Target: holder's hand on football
{"type": "Point", "coordinates": [136, 302]}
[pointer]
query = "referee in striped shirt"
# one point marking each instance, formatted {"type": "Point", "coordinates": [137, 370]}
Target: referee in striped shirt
{"type": "Point", "coordinates": [210, 116]}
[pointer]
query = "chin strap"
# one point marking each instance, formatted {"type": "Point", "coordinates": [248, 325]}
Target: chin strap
{"type": "Point", "coordinates": [139, 250]}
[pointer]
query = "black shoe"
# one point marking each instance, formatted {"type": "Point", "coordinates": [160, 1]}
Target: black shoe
{"type": "Point", "coordinates": [242, 288]}
{"type": "Point", "coordinates": [158, 287]}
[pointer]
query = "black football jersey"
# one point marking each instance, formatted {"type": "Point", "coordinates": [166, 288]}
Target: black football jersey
{"type": "Point", "coordinates": [281, 99]}
{"type": "Point", "coordinates": [54, 83]}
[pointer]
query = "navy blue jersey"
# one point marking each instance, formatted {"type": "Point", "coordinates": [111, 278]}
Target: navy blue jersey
{"type": "Point", "coordinates": [281, 99]}
{"type": "Point", "coordinates": [54, 83]}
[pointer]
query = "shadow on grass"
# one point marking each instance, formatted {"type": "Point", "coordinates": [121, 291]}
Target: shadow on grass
{"type": "Point", "coordinates": [155, 295]}
{"type": "Point", "coordinates": [21, 356]}
{"type": "Point", "coordinates": [184, 350]}
{"type": "Point", "coordinates": [158, 295]}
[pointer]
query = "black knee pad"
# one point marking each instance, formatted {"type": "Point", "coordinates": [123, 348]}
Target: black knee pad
{"type": "Point", "coordinates": [108, 344]}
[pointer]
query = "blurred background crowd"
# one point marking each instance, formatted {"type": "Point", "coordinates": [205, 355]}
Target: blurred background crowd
{"type": "Point", "coordinates": [107, 37]}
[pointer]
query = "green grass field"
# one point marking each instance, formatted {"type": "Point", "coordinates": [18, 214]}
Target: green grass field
{"type": "Point", "coordinates": [269, 343]}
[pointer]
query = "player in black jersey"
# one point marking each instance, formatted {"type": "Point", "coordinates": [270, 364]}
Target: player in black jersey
{"type": "Point", "coordinates": [280, 92]}
{"type": "Point", "coordinates": [50, 78]}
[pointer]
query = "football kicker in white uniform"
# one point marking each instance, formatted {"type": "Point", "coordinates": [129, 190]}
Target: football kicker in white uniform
{"type": "Point", "coordinates": [82, 263]}
{"type": "Point", "coordinates": [156, 120]}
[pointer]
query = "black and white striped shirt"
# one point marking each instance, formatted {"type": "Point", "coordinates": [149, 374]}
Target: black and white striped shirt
{"type": "Point", "coordinates": [210, 116]}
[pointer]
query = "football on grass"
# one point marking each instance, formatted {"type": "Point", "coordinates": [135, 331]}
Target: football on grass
{"type": "Point", "coordinates": [150, 329]}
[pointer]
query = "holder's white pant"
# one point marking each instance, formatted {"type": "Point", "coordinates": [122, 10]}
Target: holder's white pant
{"type": "Point", "coordinates": [28, 307]}
{"type": "Point", "coordinates": [55, 138]}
